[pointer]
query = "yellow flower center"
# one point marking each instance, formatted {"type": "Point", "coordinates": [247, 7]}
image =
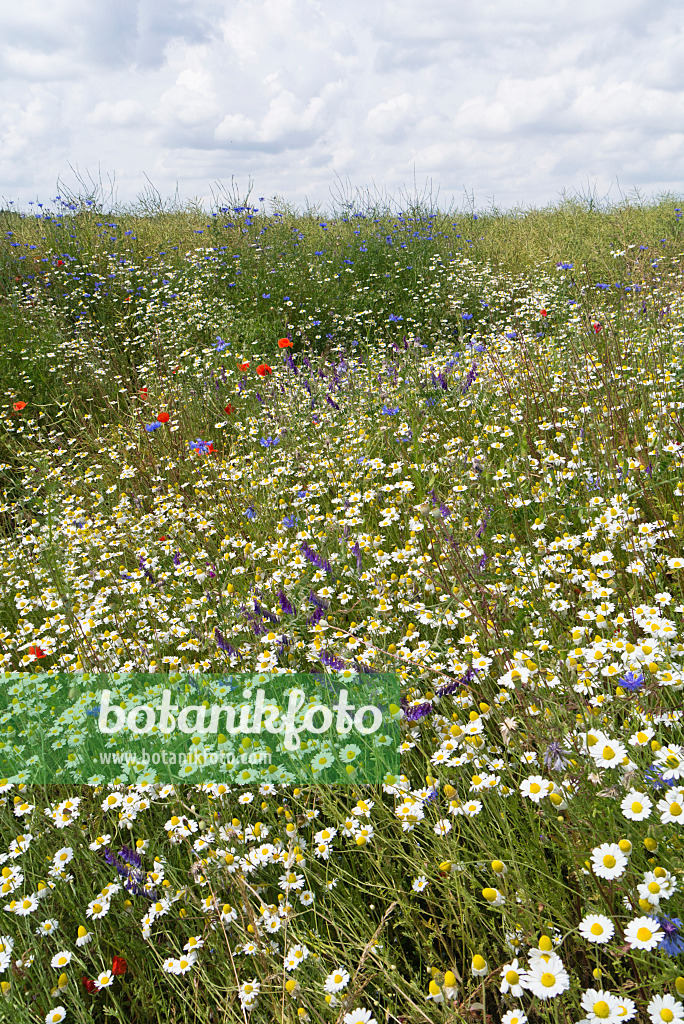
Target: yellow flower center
{"type": "Point", "coordinates": [535, 788]}
{"type": "Point", "coordinates": [609, 861]}
{"type": "Point", "coordinates": [675, 810]}
{"type": "Point", "coordinates": [548, 980]}
{"type": "Point", "coordinates": [596, 928]}
{"type": "Point", "coordinates": [601, 1008]}
{"type": "Point", "coordinates": [644, 934]}
{"type": "Point", "coordinates": [512, 977]}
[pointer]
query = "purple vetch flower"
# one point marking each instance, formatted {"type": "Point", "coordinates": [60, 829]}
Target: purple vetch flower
{"type": "Point", "coordinates": [556, 757]}
{"type": "Point", "coordinates": [472, 374]}
{"type": "Point", "coordinates": [448, 688]}
{"type": "Point", "coordinates": [415, 714]}
{"type": "Point", "coordinates": [176, 558]}
{"type": "Point", "coordinates": [316, 559]}
{"type": "Point", "coordinates": [315, 616]}
{"type": "Point", "coordinates": [482, 563]}
{"type": "Point", "coordinates": [265, 614]}
{"type": "Point", "coordinates": [356, 550]}
{"type": "Point", "coordinates": [484, 522]}
{"type": "Point", "coordinates": [223, 644]}
{"type": "Point", "coordinates": [330, 402]}
{"type": "Point", "coordinates": [331, 661]}
{"type": "Point", "coordinates": [146, 570]}
{"type": "Point", "coordinates": [284, 603]}
{"type": "Point", "coordinates": [318, 601]}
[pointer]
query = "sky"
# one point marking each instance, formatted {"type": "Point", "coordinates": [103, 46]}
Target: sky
{"type": "Point", "coordinates": [478, 104]}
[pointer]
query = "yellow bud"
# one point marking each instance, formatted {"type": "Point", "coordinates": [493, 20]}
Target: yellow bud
{"type": "Point", "coordinates": [655, 746]}
{"type": "Point", "coordinates": [445, 866]}
{"type": "Point", "coordinates": [597, 972]}
{"type": "Point", "coordinates": [625, 846]}
{"type": "Point", "coordinates": [650, 844]}
{"type": "Point", "coordinates": [450, 980]}
{"type": "Point", "coordinates": [489, 895]}
{"type": "Point", "coordinates": [449, 792]}
{"type": "Point", "coordinates": [679, 985]}
{"type": "Point", "coordinates": [434, 988]}
{"type": "Point", "coordinates": [290, 985]}
{"type": "Point", "coordinates": [497, 866]}
{"type": "Point", "coordinates": [545, 944]}
{"type": "Point", "coordinates": [479, 962]}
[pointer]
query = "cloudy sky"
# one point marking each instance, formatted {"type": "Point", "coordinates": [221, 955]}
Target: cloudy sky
{"type": "Point", "coordinates": [507, 102]}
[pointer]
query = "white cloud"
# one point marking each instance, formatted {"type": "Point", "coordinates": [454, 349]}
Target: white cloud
{"type": "Point", "coordinates": [512, 99]}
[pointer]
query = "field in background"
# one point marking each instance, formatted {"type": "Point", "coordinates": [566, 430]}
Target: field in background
{"type": "Point", "coordinates": [447, 446]}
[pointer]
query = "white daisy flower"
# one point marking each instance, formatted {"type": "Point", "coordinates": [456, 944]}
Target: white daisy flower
{"type": "Point", "coordinates": [596, 928]}
{"type": "Point", "coordinates": [608, 861]}
{"type": "Point", "coordinates": [643, 933]}
{"type": "Point", "coordinates": [336, 981]}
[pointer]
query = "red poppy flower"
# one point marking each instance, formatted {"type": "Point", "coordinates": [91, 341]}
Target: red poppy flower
{"type": "Point", "coordinates": [229, 408]}
{"type": "Point", "coordinates": [161, 539]}
{"type": "Point", "coordinates": [90, 985]}
{"type": "Point", "coordinates": [60, 263]}
{"type": "Point", "coordinates": [597, 328]}
{"type": "Point", "coordinates": [163, 417]}
{"type": "Point", "coordinates": [143, 394]}
{"type": "Point", "coordinates": [18, 406]}
{"type": "Point", "coordinates": [119, 965]}
{"type": "Point", "coordinates": [543, 312]}
{"type": "Point", "coordinates": [37, 651]}
{"type": "Point", "coordinates": [284, 343]}
{"type": "Point", "coordinates": [243, 366]}
{"type": "Point", "coordinates": [263, 369]}
{"type": "Point", "coordinates": [176, 370]}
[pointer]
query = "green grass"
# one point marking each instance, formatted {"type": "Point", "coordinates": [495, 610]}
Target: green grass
{"type": "Point", "coordinates": [478, 429]}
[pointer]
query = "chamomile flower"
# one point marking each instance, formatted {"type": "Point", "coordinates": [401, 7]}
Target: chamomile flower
{"type": "Point", "coordinates": [600, 1006]}
{"type": "Point", "coordinates": [664, 1009]}
{"type": "Point", "coordinates": [643, 933]}
{"type": "Point", "coordinates": [547, 980]}
{"type": "Point", "coordinates": [336, 981]}
{"type": "Point", "coordinates": [512, 979]}
{"type": "Point", "coordinates": [608, 861]}
{"type": "Point", "coordinates": [359, 1016]}
{"type": "Point", "coordinates": [596, 928]}
{"type": "Point", "coordinates": [636, 806]}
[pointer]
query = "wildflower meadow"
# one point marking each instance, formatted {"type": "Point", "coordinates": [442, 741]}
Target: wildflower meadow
{"type": "Point", "coordinates": [446, 448]}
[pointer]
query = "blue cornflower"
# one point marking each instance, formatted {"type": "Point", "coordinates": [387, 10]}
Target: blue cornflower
{"type": "Point", "coordinates": [394, 319]}
{"type": "Point", "coordinates": [149, 427]}
{"type": "Point", "coordinates": [389, 412]}
{"type": "Point", "coordinates": [632, 682]}
{"type": "Point", "coordinates": [250, 513]}
{"type": "Point", "coordinates": [264, 295]}
{"type": "Point", "coordinates": [288, 522]}
{"type": "Point", "coordinates": [268, 442]}
{"type": "Point", "coordinates": [221, 344]}
{"type": "Point", "coordinates": [466, 316]}
{"type": "Point", "coordinates": [672, 943]}
{"type": "Point", "coordinates": [564, 266]}
{"type": "Point", "coordinates": [200, 446]}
